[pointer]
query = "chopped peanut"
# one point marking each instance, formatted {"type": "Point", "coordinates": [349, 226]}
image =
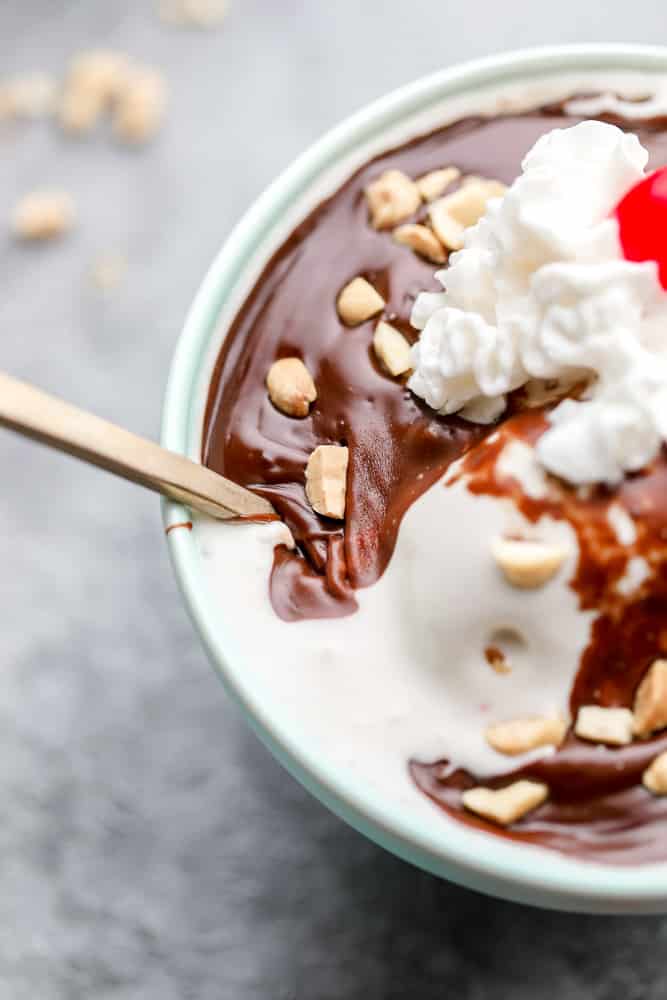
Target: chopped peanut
{"type": "Point", "coordinates": [651, 700]}
{"type": "Point", "coordinates": [94, 81]}
{"type": "Point", "coordinates": [358, 301]}
{"type": "Point", "coordinates": [43, 215]}
{"type": "Point", "coordinates": [506, 805]}
{"type": "Point", "coordinates": [435, 183]}
{"type": "Point", "coordinates": [447, 229]}
{"type": "Point", "coordinates": [291, 387]}
{"type": "Point", "coordinates": [109, 271]}
{"type": "Point", "coordinates": [199, 13]}
{"type": "Point", "coordinates": [99, 71]}
{"type": "Point", "coordinates": [392, 198]}
{"type": "Point", "coordinates": [612, 726]}
{"type": "Point", "coordinates": [497, 660]}
{"type": "Point", "coordinates": [326, 479]}
{"type": "Point", "coordinates": [7, 106]}
{"type": "Point", "coordinates": [527, 564]}
{"type": "Point", "coordinates": [392, 349]}
{"type": "Point", "coordinates": [422, 240]}
{"type": "Point", "coordinates": [452, 215]}
{"type": "Point", "coordinates": [79, 111]}
{"type": "Point", "coordinates": [140, 107]}
{"type": "Point", "coordinates": [32, 95]}
{"type": "Point", "coordinates": [655, 775]}
{"type": "Point", "coordinates": [520, 735]}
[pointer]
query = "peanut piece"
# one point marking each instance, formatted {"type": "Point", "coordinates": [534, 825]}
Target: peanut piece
{"type": "Point", "coordinates": [109, 271]}
{"type": "Point", "coordinates": [199, 13]}
{"type": "Point", "coordinates": [32, 95]}
{"type": "Point", "coordinates": [7, 105]}
{"type": "Point", "coordinates": [291, 387]}
{"type": "Point", "coordinates": [527, 564]}
{"type": "Point", "coordinates": [99, 72]}
{"type": "Point", "coordinates": [612, 726]}
{"type": "Point", "coordinates": [358, 301]}
{"type": "Point", "coordinates": [392, 349]}
{"type": "Point", "coordinates": [497, 660]}
{"type": "Point", "coordinates": [94, 81]}
{"type": "Point", "coordinates": [433, 184]}
{"type": "Point", "coordinates": [651, 700]}
{"type": "Point", "coordinates": [521, 735]}
{"type": "Point", "coordinates": [446, 228]}
{"type": "Point", "coordinates": [452, 215]}
{"type": "Point", "coordinates": [422, 240]}
{"type": "Point", "coordinates": [43, 215]}
{"type": "Point", "coordinates": [488, 188]}
{"type": "Point", "coordinates": [506, 805]}
{"type": "Point", "coordinates": [392, 198]}
{"type": "Point", "coordinates": [655, 775]}
{"type": "Point", "coordinates": [79, 111]}
{"type": "Point", "coordinates": [326, 480]}
{"type": "Point", "coordinates": [140, 107]}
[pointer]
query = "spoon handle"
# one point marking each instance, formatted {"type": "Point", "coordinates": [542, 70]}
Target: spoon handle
{"type": "Point", "coordinates": [45, 418]}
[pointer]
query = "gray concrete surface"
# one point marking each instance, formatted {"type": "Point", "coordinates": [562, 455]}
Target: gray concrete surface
{"type": "Point", "coordinates": [149, 846]}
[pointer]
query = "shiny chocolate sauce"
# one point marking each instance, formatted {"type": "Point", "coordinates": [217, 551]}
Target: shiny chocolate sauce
{"type": "Point", "coordinates": [399, 448]}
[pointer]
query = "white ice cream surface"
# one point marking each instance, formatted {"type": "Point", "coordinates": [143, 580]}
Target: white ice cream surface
{"type": "Point", "coordinates": [541, 290]}
{"type": "Point", "coordinates": [406, 676]}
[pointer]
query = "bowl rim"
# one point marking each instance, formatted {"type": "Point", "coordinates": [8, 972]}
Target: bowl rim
{"type": "Point", "coordinates": [490, 864]}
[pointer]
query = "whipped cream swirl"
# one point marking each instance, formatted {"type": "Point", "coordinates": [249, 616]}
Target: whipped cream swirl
{"type": "Point", "coordinates": [541, 291]}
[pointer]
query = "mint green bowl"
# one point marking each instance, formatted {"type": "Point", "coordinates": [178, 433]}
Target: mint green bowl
{"type": "Point", "coordinates": [489, 864]}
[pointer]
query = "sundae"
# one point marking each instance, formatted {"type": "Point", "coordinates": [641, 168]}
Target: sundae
{"type": "Point", "coordinates": [451, 382]}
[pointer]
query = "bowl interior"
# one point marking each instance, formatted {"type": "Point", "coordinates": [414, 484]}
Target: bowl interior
{"type": "Point", "coordinates": [412, 829]}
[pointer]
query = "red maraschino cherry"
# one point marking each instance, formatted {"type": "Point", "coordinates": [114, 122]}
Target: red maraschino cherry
{"type": "Point", "coordinates": [642, 221]}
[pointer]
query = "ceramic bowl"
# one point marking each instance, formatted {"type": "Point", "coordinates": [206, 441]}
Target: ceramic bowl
{"type": "Point", "coordinates": [481, 861]}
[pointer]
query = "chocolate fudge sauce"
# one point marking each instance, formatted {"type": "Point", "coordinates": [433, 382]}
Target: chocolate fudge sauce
{"type": "Point", "coordinates": [399, 448]}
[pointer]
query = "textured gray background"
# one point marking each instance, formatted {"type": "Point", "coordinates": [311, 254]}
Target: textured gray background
{"type": "Point", "coordinates": [149, 846]}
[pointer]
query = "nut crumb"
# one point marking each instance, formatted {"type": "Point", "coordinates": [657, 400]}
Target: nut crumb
{"type": "Point", "coordinates": [655, 775]}
{"type": "Point", "coordinates": [109, 271]}
{"type": "Point", "coordinates": [506, 805]}
{"type": "Point", "coordinates": [79, 111]}
{"type": "Point", "coordinates": [101, 71]}
{"type": "Point", "coordinates": [392, 198]}
{"type": "Point", "coordinates": [7, 108]}
{"type": "Point", "coordinates": [452, 215]}
{"type": "Point", "coordinates": [358, 301]}
{"type": "Point", "coordinates": [527, 564]}
{"type": "Point", "coordinates": [497, 660]}
{"type": "Point", "coordinates": [521, 735]}
{"type": "Point", "coordinates": [199, 13]}
{"type": "Point", "coordinates": [435, 183]}
{"type": "Point", "coordinates": [43, 215]}
{"type": "Point", "coordinates": [447, 229]}
{"type": "Point", "coordinates": [95, 80]}
{"type": "Point", "coordinates": [422, 240]}
{"type": "Point", "coordinates": [140, 107]}
{"type": "Point", "coordinates": [291, 387]}
{"type": "Point", "coordinates": [650, 708]}
{"type": "Point", "coordinates": [487, 187]}
{"type": "Point", "coordinates": [31, 95]}
{"type": "Point", "coordinates": [326, 480]}
{"type": "Point", "coordinates": [392, 349]}
{"type": "Point", "coordinates": [612, 726]}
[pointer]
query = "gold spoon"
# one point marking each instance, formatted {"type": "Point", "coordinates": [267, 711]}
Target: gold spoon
{"type": "Point", "coordinates": [45, 418]}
